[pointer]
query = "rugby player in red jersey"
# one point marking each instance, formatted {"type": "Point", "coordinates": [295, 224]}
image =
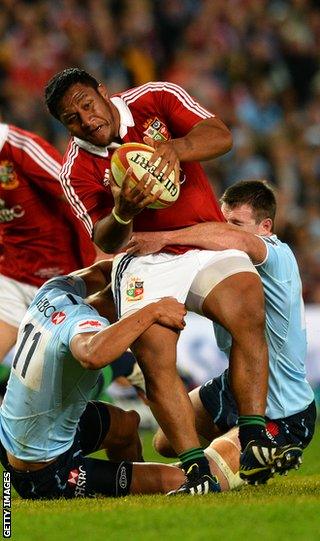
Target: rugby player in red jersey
{"type": "Point", "coordinates": [40, 235]}
{"type": "Point", "coordinates": [222, 286]}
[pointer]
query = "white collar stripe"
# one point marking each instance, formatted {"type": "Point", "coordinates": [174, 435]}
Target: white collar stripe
{"type": "Point", "coordinates": [126, 118]}
{"type": "Point", "coordinates": [93, 149]}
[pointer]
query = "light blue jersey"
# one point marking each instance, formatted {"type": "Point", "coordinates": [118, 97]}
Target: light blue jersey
{"type": "Point", "coordinates": [48, 389]}
{"type": "Point", "coordinates": [289, 392]}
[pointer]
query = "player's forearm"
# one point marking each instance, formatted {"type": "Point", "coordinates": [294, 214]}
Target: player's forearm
{"type": "Point", "coordinates": [110, 235]}
{"type": "Point", "coordinates": [208, 235]}
{"type": "Point", "coordinates": [217, 236]}
{"type": "Point", "coordinates": [96, 277]}
{"type": "Point", "coordinates": [208, 139]}
{"type": "Point", "coordinates": [107, 345]}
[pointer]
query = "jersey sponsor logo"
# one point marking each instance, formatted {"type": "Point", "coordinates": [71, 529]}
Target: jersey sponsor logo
{"type": "Point", "coordinates": [90, 323]}
{"type": "Point", "coordinates": [123, 482]}
{"type": "Point", "coordinates": [73, 477]}
{"type": "Point", "coordinates": [7, 215]}
{"type": "Point", "coordinates": [8, 176]}
{"type": "Point", "coordinates": [45, 307]}
{"type": "Point", "coordinates": [156, 130]}
{"type": "Point", "coordinates": [135, 289]}
{"type": "Point", "coordinates": [58, 317]}
{"type": "Point", "coordinates": [80, 489]}
{"type": "Point", "coordinates": [77, 479]}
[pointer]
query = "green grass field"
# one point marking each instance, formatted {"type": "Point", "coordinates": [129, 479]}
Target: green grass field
{"type": "Point", "coordinates": [287, 508]}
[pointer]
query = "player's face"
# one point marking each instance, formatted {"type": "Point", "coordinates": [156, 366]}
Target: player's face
{"type": "Point", "coordinates": [243, 217]}
{"type": "Point", "coordinates": [89, 114]}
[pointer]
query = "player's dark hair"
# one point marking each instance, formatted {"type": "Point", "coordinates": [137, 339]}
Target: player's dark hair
{"type": "Point", "coordinates": [256, 193]}
{"type": "Point", "coordinates": [61, 82]}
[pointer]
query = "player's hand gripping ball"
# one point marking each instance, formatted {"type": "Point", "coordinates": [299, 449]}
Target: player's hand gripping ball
{"type": "Point", "coordinates": [136, 156]}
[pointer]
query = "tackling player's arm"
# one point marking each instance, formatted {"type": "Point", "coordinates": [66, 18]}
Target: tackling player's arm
{"type": "Point", "coordinates": [95, 350]}
{"type": "Point", "coordinates": [96, 277]}
{"type": "Point", "coordinates": [208, 235]}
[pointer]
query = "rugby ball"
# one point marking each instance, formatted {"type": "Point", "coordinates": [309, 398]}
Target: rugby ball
{"type": "Point", "coordinates": [136, 156]}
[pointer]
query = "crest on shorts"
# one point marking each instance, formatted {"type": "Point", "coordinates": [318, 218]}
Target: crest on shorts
{"type": "Point", "coordinates": [156, 129]}
{"type": "Point", "coordinates": [134, 290]}
{"type": "Point", "coordinates": [8, 176]}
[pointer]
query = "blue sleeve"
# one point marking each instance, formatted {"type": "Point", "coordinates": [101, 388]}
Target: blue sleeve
{"type": "Point", "coordinates": [278, 261]}
{"type": "Point", "coordinates": [82, 319]}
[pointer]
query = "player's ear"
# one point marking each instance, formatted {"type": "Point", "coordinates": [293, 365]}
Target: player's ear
{"type": "Point", "coordinates": [266, 226]}
{"type": "Point", "coordinates": [102, 90]}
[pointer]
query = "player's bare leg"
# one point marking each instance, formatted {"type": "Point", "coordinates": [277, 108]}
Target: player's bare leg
{"type": "Point", "coordinates": [223, 454]}
{"type": "Point", "coordinates": [155, 478]}
{"type": "Point", "coordinates": [206, 429]}
{"type": "Point", "coordinates": [237, 303]}
{"type": "Point", "coordinates": [122, 441]}
{"type": "Point", "coordinates": [155, 351]}
{"type": "Point", "coordinates": [8, 335]}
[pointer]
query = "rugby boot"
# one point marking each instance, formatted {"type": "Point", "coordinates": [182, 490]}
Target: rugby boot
{"type": "Point", "coordinates": [196, 484]}
{"type": "Point", "coordinates": [259, 461]}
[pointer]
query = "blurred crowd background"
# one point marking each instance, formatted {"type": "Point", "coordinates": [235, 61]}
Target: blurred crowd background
{"type": "Point", "coordinates": [255, 63]}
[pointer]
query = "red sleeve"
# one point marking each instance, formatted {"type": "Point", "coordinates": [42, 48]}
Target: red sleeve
{"type": "Point", "coordinates": [37, 160]}
{"type": "Point", "coordinates": [83, 178]}
{"type": "Point", "coordinates": [181, 111]}
{"type": "Point", "coordinates": [40, 163]}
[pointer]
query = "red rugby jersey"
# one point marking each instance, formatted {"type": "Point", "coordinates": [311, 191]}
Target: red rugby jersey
{"type": "Point", "coordinates": [41, 237]}
{"type": "Point", "coordinates": [161, 111]}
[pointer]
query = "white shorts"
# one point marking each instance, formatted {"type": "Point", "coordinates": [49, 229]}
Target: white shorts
{"type": "Point", "coordinates": [15, 299]}
{"type": "Point", "coordinates": [189, 277]}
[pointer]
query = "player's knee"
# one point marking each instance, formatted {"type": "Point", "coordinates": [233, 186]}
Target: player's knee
{"type": "Point", "coordinates": [162, 446]}
{"type": "Point", "coordinates": [130, 424]}
{"type": "Point", "coordinates": [134, 419]}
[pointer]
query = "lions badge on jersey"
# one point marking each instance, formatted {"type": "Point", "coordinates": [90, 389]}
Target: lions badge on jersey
{"type": "Point", "coordinates": [134, 290]}
{"type": "Point", "coordinates": [156, 129]}
{"type": "Point", "coordinates": [8, 176]}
